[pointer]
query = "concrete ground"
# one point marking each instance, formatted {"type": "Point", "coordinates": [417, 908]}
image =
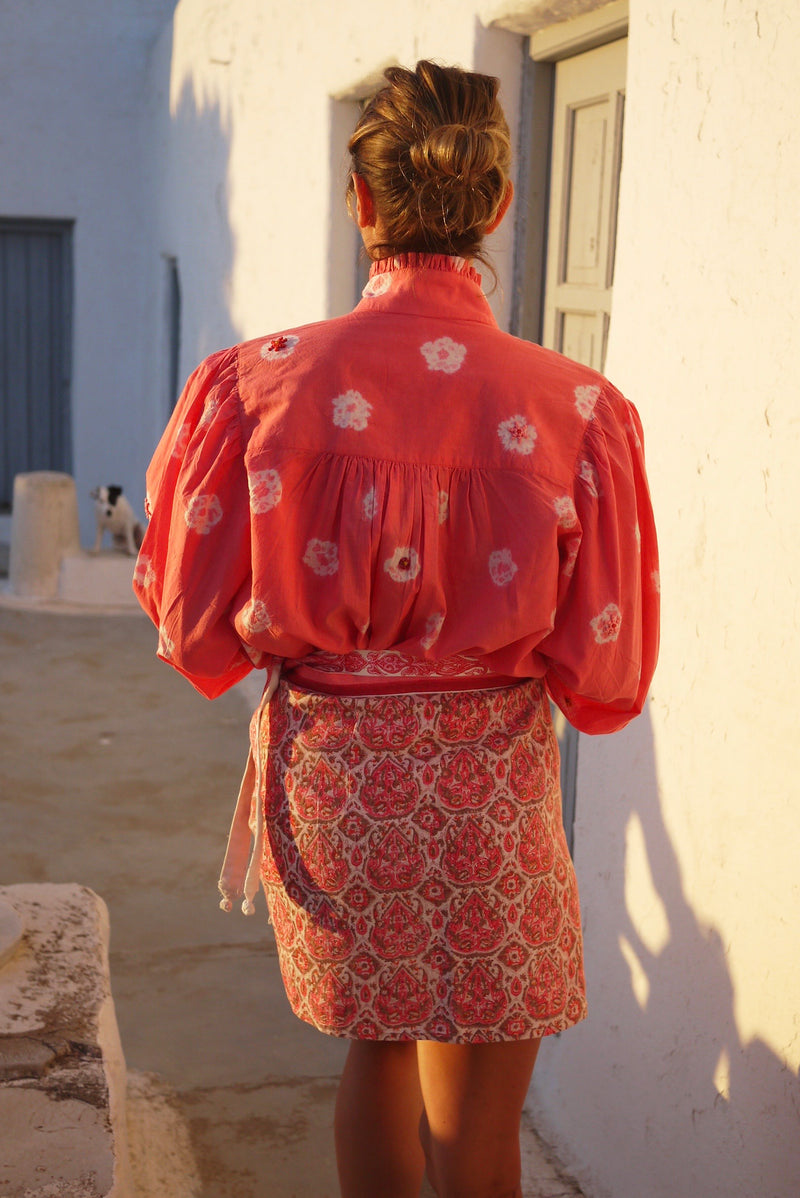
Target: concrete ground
{"type": "Point", "coordinates": [117, 775]}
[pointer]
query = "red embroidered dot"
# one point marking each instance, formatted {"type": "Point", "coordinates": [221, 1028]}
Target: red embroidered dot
{"type": "Point", "coordinates": [404, 563]}
{"type": "Point", "coordinates": [518, 432]}
{"type": "Point", "coordinates": [278, 343]}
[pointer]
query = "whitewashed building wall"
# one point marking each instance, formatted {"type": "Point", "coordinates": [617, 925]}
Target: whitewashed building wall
{"type": "Point", "coordinates": [74, 146]}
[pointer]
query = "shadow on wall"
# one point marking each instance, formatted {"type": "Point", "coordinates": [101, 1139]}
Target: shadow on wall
{"type": "Point", "coordinates": [715, 1116]}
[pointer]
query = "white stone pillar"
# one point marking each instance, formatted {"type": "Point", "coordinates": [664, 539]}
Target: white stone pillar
{"type": "Point", "coordinates": [44, 527]}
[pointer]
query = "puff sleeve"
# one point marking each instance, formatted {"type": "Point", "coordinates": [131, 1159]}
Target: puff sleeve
{"type": "Point", "coordinates": [602, 651]}
{"type": "Point", "coordinates": [193, 570]}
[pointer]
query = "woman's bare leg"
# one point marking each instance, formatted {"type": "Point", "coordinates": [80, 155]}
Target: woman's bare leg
{"type": "Point", "coordinates": [473, 1096]}
{"type": "Point", "coordinates": [378, 1110]}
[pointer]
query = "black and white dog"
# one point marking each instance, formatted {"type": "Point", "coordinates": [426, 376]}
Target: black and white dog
{"type": "Point", "coordinates": [113, 512]}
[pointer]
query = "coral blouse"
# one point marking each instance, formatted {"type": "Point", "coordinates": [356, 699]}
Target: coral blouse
{"type": "Point", "coordinates": [406, 477]}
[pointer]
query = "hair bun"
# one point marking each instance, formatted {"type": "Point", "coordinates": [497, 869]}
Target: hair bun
{"type": "Point", "coordinates": [433, 146]}
{"type": "Point", "coordinates": [455, 151]}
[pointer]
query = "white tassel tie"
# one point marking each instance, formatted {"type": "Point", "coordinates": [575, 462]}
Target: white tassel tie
{"type": "Point", "coordinates": [240, 875]}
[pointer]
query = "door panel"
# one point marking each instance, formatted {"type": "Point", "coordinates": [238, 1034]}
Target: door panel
{"type": "Point", "coordinates": [586, 160]}
{"type": "Point", "coordinates": [35, 342]}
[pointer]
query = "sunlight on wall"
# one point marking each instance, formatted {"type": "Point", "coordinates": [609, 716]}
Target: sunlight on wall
{"type": "Point", "coordinates": [645, 908]}
{"type": "Point", "coordinates": [722, 1074]}
{"type": "Point", "coordinates": [640, 983]}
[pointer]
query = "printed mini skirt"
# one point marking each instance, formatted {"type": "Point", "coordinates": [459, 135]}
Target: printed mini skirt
{"type": "Point", "coordinates": [415, 864]}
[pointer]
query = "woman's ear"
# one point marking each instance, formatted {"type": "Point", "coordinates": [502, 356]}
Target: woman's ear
{"type": "Point", "coordinates": [503, 209]}
{"type": "Point", "coordinates": [365, 207]}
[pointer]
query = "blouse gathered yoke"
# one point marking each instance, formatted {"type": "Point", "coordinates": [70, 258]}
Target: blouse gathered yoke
{"type": "Point", "coordinates": [406, 478]}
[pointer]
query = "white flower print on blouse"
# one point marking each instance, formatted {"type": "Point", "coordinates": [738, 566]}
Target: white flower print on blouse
{"type": "Point", "coordinates": [322, 556]}
{"type": "Point", "coordinates": [202, 513]}
{"type": "Point", "coordinates": [585, 400]}
{"type": "Point", "coordinates": [568, 568]}
{"type": "Point", "coordinates": [166, 646]}
{"type": "Point", "coordinates": [445, 354]}
{"type": "Point", "coordinates": [144, 575]}
{"type": "Point", "coordinates": [433, 626]}
{"type": "Point", "coordinates": [377, 285]}
{"type": "Point", "coordinates": [351, 410]}
{"type": "Point", "coordinates": [631, 427]}
{"type": "Point", "coordinates": [589, 474]}
{"type": "Point", "coordinates": [517, 434]}
{"type": "Point", "coordinates": [502, 567]}
{"type": "Point", "coordinates": [210, 410]}
{"type": "Point", "coordinates": [606, 626]}
{"type": "Point", "coordinates": [444, 506]}
{"type": "Point", "coordinates": [279, 347]}
{"type": "Point", "coordinates": [403, 565]}
{"type": "Point", "coordinates": [265, 490]}
{"type": "Point", "coordinates": [565, 510]}
{"type": "Point", "coordinates": [369, 504]}
{"type": "Point", "coordinates": [181, 441]}
{"type": "Point", "coordinates": [255, 616]}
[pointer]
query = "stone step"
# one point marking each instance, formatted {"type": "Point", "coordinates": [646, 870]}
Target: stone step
{"type": "Point", "coordinates": [62, 1071]}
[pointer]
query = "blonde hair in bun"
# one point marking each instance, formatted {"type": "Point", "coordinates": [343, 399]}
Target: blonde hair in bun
{"type": "Point", "coordinates": [434, 148]}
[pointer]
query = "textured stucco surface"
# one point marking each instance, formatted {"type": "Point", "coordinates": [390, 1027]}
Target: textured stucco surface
{"type": "Point", "coordinates": [684, 1080]}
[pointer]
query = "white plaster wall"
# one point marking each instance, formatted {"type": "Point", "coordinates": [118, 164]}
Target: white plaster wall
{"type": "Point", "coordinates": [683, 1083]}
{"type": "Point", "coordinates": [261, 80]}
{"type": "Point", "coordinates": [71, 146]}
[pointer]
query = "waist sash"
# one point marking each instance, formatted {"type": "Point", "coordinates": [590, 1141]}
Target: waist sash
{"type": "Point", "coordinates": [387, 672]}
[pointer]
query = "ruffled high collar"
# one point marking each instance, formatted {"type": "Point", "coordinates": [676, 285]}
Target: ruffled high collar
{"type": "Point", "coordinates": [434, 285]}
{"type": "Point", "coordinates": [443, 262]}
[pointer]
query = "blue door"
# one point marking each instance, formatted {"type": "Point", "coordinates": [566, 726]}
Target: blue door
{"type": "Point", "coordinates": [35, 348]}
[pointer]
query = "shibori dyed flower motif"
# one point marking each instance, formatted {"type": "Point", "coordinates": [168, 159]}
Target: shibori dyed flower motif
{"type": "Point", "coordinates": [568, 567]}
{"type": "Point", "coordinates": [166, 646]}
{"type": "Point", "coordinates": [181, 441]}
{"type": "Point", "coordinates": [202, 513]}
{"type": "Point", "coordinates": [655, 578]}
{"type": "Point", "coordinates": [606, 626]}
{"type": "Point", "coordinates": [634, 432]}
{"type": "Point", "coordinates": [265, 490]}
{"type": "Point", "coordinates": [369, 504]}
{"type": "Point", "coordinates": [280, 346]}
{"type": "Point", "coordinates": [585, 400]}
{"type": "Point", "coordinates": [444, 354]}
{"type": "Point", "coordinates": [589, 474]}
{"type": "Point", "coordinates": [255, 616]}
{"type": "Point", "coordinates": [377, 285]}
{"type": "Point", "coordinates": [144, 575]}
{"type": "Point", "coordinates": [210, 409]}
{"type": "Point", "coordinates": [351, 410]}
{"type": "Point", "coordinates": [517, 434]}
{"type": "Point", "coordinates": [502, 567]}
{"type": "Point", "coordinates": [565, 510]}
{"type": "Point", "coordinates": [444, 506]}
{"type": "Point", "coordinates": [322, 556]}
{"type": "Point", "coordinates": [403, 565]}
{"type": "Point", "coordinates": [433, 626]}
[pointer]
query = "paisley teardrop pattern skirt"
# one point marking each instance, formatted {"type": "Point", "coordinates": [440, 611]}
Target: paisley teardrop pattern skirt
{"type": "Point", "coordinates": [415, 865]}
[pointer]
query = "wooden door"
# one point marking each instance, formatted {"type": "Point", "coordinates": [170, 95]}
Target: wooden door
{"type": "Point", "coordinates": [35, 349]}
{"type": "Point", "coordinates": [586, 158]}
